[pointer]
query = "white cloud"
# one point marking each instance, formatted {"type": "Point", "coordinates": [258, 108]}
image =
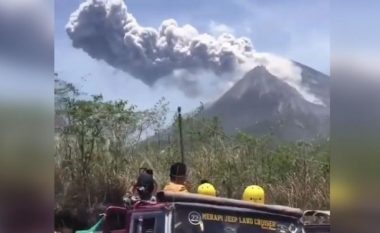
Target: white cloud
{"type": "Point", "coordinates": [217, 29]}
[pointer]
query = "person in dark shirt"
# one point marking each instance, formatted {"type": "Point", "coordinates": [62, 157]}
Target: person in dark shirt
{"type": "Point", "coordinates": [150, 172]}
{"type": "Point", "coordinates": [145, 187]}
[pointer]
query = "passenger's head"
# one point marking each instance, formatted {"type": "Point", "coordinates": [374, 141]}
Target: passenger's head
{"type": "Point", "coordinates": [149, 171]}
{"type": "Point", "coordinates": [204, 181]}
{"type": "Point", "coordinates": [178, 173]}
{"type": "Point", "coordinates": [145, 186]}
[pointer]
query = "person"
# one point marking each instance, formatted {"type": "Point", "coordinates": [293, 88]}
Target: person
{"type": "Point", "coordinates": [205, 188]}
{"type": "Point", "coordinates": [177, 178]}
{"type": "Point", "coordinates": [150, 172]}
{"type": "Point", "coordinates": [254, 193]}
{"type": "Point", "coordinates": [145, 187]}
{"type": "Point", "coordinates": [133, 191]}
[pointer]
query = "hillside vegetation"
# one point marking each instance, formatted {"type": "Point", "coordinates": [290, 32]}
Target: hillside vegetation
{"type": "Point", "coordinates": [100, 148]}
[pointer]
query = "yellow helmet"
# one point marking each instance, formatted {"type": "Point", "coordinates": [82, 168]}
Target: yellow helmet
{"type": "Point", "coordinates": [254, 193]}
{"type": "Point", "coordinates": [207, 189]}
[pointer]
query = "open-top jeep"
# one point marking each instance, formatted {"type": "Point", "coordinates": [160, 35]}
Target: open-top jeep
{"type": "Point", "coordinates": [193, 213]}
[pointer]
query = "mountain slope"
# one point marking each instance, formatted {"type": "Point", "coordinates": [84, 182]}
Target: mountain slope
{"type": "Point", "coordinates": [261, 103]}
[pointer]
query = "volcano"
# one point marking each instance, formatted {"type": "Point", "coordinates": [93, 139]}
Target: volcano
{"type": "Point", "coordinates": [263, 104]}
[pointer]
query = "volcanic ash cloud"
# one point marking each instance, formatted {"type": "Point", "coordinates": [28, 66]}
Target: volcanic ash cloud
{"type": "Point", "coordinates": [107, 31]}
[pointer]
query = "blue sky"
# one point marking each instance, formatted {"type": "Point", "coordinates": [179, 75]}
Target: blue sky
{"type": "Point", "coordinates": [294, 29]}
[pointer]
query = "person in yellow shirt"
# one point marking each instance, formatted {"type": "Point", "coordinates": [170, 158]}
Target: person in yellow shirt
{"type": "Point", "coordinates": [177, 178]}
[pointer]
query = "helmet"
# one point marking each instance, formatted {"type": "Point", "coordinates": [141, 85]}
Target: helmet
{"type": "Point", "coordinates": [254, 193]}
{"type": "Point", "coordinates": [207, 189]}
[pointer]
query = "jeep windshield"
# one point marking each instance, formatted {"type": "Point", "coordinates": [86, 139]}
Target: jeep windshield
{"type": "Point", "coordinates": [201, 218]}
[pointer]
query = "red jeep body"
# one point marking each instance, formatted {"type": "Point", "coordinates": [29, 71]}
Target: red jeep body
{"type": "Point", "coordinates": [193, 213]}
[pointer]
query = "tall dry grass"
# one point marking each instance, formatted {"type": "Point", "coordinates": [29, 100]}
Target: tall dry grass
{"type": "Point", "coordinates": [293, 175]}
